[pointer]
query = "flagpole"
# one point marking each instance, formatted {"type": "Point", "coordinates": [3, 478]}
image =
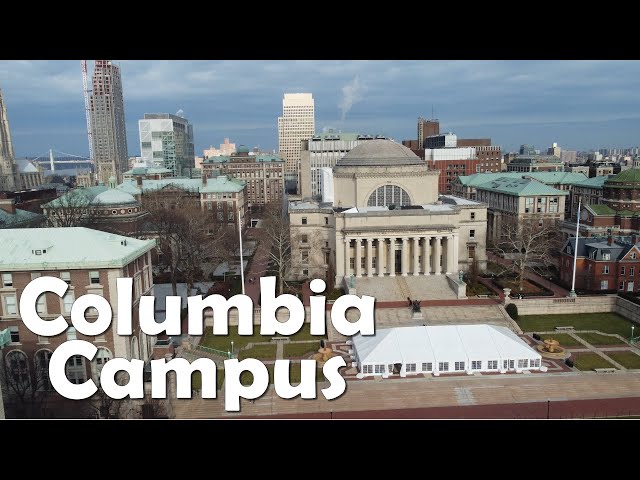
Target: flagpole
{"type": "Point", "coordinates": [575, 252]}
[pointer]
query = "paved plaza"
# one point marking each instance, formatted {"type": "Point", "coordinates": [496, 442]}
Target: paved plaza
{"type": "Point", "coordinates": [389, 289]}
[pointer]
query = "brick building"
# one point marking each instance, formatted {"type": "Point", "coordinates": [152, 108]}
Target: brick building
{"type": "Point", "coordinates": [603, 263]}
{"type": "Point", "coordinates": [89, 261]}
{"type": "Point", "coordinates": [12, 217]}
{"type": "Point", "coordinates": [535, 163]}
{"type": "Point", "coordinates": [263, 174]}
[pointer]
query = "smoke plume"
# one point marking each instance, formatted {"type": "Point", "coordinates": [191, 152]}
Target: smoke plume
{"type": "Point", "coordinates": [352, 93]}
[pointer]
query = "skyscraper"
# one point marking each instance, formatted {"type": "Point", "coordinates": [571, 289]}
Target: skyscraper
{"type": "Point", "coordinates": [297, 123]}
{"type": "Point", "coordinates": [167, 141]}
{"type": "Point", "coordinates": [426, 128]}
{"type": "Point", "coordinates": [108, 132]}
{"type": "Point", "coordinates": [9, 177]}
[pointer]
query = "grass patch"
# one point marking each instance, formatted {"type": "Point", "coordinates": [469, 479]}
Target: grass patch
{"type": "Point", "coordinates": [604, 322]}
{"type": "Point", "coordinates": [305, 334]}
{"type": "Point", "coordinates": [589, 361]}
{"type": "Point", "coordinates": [565, 339]}
{"type": "Point", "coordinates": [298, 350]}
{"type": "Point", "coordinates": [597, 339]}
{"type": "Point", "coordinates": [223, 342]}
{"type": "Point", "coordinates": [478, 289]}
{"type": "Point", "coordinates": [196, 379]}
{"type": "Point", "coordinates": [259, 352]}
{"type": "Point", "coordinates": [626, 359]}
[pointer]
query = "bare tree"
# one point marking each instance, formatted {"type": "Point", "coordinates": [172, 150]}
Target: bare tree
{"type": "Point", "coordinates": [186, 236]}
{"type": "Point", "coordinates": [70, 210]}
{"type": "Point", "coordinates": [278, 232]}
{"type": "Point", "coordinates": [530, 243]}
{"type": "Point", "coordinates": [26, 384]}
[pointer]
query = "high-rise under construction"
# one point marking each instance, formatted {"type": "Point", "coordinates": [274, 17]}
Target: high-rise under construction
{"type": "Point", "coordinates": [108, 132]}
{"type": "Point", "coordinates": [9, 177]}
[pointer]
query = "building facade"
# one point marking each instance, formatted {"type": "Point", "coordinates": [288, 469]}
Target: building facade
{"type": "Point", "coordinates": [519, 200]}
{"type": "Point", "coordinates": [386, 219]}
{"type": "Point", "coordinates": [324, 151]}
{"type": "Point", "coordinates": [9, 175]}
{"type": "Point", "coordinates": [450, 163]}
{"type": "Point", "coordinates": [89, 261]}
{"type": "Point", "coordinates": [427, 128]}
{"type": "Point", "coordinates": [108, 130]}
{"type": "Point", "coordinates": [535, 163]}
{"type": "Point", "coordinates": [147, 173]}
{"type": "Point", "coordinates": [226, 148]}
{"type": "Point", "coordinates": [603, 263]}
{"type": "Point", "coordinates": [263, 174]}
{"type": "Point", "coordinates": [166, 141]}
{"type": "Point", "coordinates": [12, 217]}
{"type": "Point", "coordinates": [297, 123]}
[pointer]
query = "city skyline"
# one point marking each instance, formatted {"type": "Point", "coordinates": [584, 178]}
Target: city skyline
{"type": "Point", "coordinates": [578, 104]}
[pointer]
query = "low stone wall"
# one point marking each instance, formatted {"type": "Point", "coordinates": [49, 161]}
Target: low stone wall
{"type": "Point", "coordinates": [459, 287]}
{"type": "Point", "coordinates": [628, 309]}
{"type": "Point", "coordinates": [555, 306]}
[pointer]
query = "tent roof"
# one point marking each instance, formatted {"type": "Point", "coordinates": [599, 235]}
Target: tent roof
{"type": "Point", "coordinates": [437, 343]}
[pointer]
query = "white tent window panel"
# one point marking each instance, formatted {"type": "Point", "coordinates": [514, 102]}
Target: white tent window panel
{"type": "Point", "coordinates": [410, 367]}
{"type": "Point", "coordinates": [443, 366]}
{"type": "Point", "coordinates": [476, 365]}
{"type": "Point", "coordinates": [492, 365]}
{"type": "Point", "coordinates": [379, 369]}
{"type": "Point", "coordinates": [427, 367]}
{"type": "Point", "coordinates": [458, 366]}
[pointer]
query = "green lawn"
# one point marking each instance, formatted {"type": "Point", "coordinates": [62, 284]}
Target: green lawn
{"type": "Point", "coordinates": [196, 379]}
{"type": "Point", "coordinates": [597, 339]}
{"type": "Point", "coordinates": [298, 350]}
{"type": "Point", "coordinates": [259, 352]}
{"type": "Point", "coordinates": [604, 322]}
{"type": "Point", "coordinates": [589, 361]}
{"type": "Point", "coordinates": [305, 334]}
{"type": "Point", "coordinates": [626, 359]}
{"type": "Point", "coordinates": [223, 342]}
{"type": "Point", "coordinates": [565, 339]}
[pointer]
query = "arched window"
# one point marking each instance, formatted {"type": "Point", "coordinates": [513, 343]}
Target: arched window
{"type": "Point", "coordinates": [388, 195]}
{"type": "Point", "coordinates": [76, 369]}
{"type": "Point", "coordinates": [18, 370]}
{"type": "Point", "coordinates": [102, 356]}
{"type": "Point", "coordinates": [42, 358]}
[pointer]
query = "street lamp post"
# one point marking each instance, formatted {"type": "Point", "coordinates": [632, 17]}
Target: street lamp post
{"type": "Point", "coordinates": [632, 327]}
{"type": "Point", "coordinates": [241, 259]}
{"type": "Point", "coordinates": [575, 253]}
{"type": "Point", "coordinates": [231, 348]}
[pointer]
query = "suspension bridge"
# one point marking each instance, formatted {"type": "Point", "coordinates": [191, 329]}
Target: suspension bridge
{"type": "Point", "coordinates": [53, 159]}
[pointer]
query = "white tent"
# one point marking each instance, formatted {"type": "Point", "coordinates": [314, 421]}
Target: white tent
{"type": "Point", "coordinates": [443, 349]}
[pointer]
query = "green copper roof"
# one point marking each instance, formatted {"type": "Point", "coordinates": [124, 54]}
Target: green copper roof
{"type": "Point", "coordinates": [67, 248]}
{"type": "Point", "coordinates": [594, 182]}
{"type": "Point", "coordinates": [602, 209]}
{"type": "Point", "coordinates": [221, 184]}
{"type": "Point", "coordinates": [21, 217]}
{"type": "Point", "coordinates": [250, 158]}
{"type": "Point", "coordinates": [147, 171]}
{"type": "Point", "coordinates": [632, 175]}
{"type": "Point", "coordinates": [521, 187]}
{"type": "Point", "coordinates": [553, 178]}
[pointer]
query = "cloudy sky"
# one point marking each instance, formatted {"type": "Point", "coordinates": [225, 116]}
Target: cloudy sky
{"type": "Point", "coordinates": [579, 104]}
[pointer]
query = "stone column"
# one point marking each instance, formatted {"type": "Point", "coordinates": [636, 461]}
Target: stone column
{"type": "Point", "coordinates": [404, 256]}
{"type": "Point", "coordinates": [450, 267]}
{"type": "Point", "coordinates": [392, 257]}
{"type": "Point", "coordinates": [437, 251]}
{"type": "Point", "coordinates": [426, 256]}
{"type": "Point", "coordinates": [381, 257]}
{"type": "Point", "coordinates": [369, 257]}
{"type": "Point", "coordinates": [347, 255]}
{"type": "Point", "coordinates": [416, 263]}
{"type": "Point", "coordinates": [456, 247]}
{"type": "Point", "coordinates": [358, 260]}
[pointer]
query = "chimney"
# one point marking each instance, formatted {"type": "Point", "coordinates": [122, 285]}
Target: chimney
{"type": "Point", "coordinates": [634, 238]}
{"type": "Point", "coordinates": [204, 180]}
{"type": "Point", "coordinates": [7, 205]}
{"type": "Point", "coordinates": [609, 240]}
{"type": "Point", "coordinates": [139, 180]}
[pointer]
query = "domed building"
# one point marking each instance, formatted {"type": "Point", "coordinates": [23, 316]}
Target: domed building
{"type": "Point", "coordinates": [99, 207]}
{"type": "Point", "coordinates": [381, 216]}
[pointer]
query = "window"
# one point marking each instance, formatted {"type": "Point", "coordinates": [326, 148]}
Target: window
{"type": "Point", "coordinates": [230, 216]}
{"type": "Point", "coordinates": [622, 270]}
{"type": "Point", "coordinates": [523, 363]}
{"type": "Point", "coordinates": [304, 220]}
{"type": "Point", "coordinates": [42, 358]}
{"type": "Point", "coordinates": [68, 300]}
{"type": "Point", "coordinates": [10, 305]}
{"type": "Point", "coordinates": [304, 257]}
{"type": "Point", "coordinates": [621, 285]}
{"type": "Point", "coordinates": [35, 275]}
{"type": "Point", "coordinates": [94, 277]}
{"type": "Point", "coordinates": [72, 333]}
{"type": "Point", "coordinates": [219, 205]}
{"type": "Point", "coordinates": [492, 365]}
{"type": "Point", "coordinates": [367, 369]}
{"type": "Point", "coordinates": [18, 369]}
{"type": "Point", "coordinates": [43, 339]}
{"type": "Point", "coordinates": [379, 368]}
{"type": "Point", "coordinates": [471, 249]}
{"type": "Point", "coordinates": [15, 334]}
{"type": "Point", "coordinates": [66, 276]}
{"type": "Point", "coordinates": [605, 269]}
{"type": "Point", "coordinates": [534, 363]}
{"type": "Point", "coordinates": [473, 215]}
{"type": "Point", "coordinates": [458, 366]}
{"type": "Point", "coordinates": [410, 367]}
{"type": "Point", "coordinates": [7, 280]}
{"type": "Point", "coordinates": [305, 271]}
{"type": "Point", "coordinates": [41, 304]}
{"type": "Point", "coordinates": [75, 369]}
{"type": "Point", "coordinates": [326, 220]}
{"type": "Point", "coordinates": [476, 364]}
{"type": "Point", "coordinates": [427, 367]}
{"type": "Point", "coordinates": [304, 238]}
{"type": "Point", "coordinates": [507, 364]}
{"type": "Point", "coordinates": [100, 338]}
{"type": "Point", "coordinates": [472, 234]}
{"type": "Point", "coordinates": [363, 262]}
{"type": "Point", "coordinates": [220, 216]}
{"type": "Point", "coordinates": [606, 256]}
{"type": "Point", "coordinates": [388, 195]}
{"type": "Point", "coordinates": [633, 256]}
{"type": "Point", "coordinates": [604, 284]}
{"type": "Point", "coordinates": [443, 366]}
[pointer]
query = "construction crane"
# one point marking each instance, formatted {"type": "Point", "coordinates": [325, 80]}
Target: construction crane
{"type": "Point", "coordinates": [87, 106]}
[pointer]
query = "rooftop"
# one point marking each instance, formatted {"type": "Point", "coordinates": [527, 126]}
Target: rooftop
{"type": "Point", "coordinates": [18, 218]}
{"type": "Point", "coordinates": [98, 195]}
{"type": "Point", "coordinates": [521, 187]}
{"type": "Point", "coordinates": [379, 153]}
{"type": "Point", "coordinates": [263, 157]}
{"type": "Point", "coordinates": [220, 184]}
{"type": "Point", "coordinates": [632, 175]}
{"type": "Point", "coordinates": [67, 248]}
{"type": "Point", "coordinates": [147, 171]}
{"type": "Point", "coordinates": [553, 178]}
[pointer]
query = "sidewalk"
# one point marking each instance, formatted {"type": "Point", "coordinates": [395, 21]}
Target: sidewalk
{"type": "Point", "coordinates": [259, 264]}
